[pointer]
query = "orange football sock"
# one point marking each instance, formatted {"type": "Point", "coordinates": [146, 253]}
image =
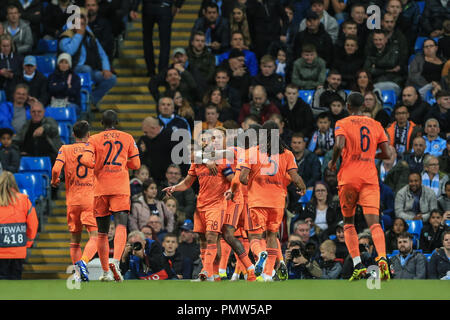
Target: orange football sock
{"type": "Point", "coordinates": [351, 240]}
{"type": "Point", "coordinates": [103, 250]}
{"type": "Point", "coordinates": [255, 246]}
{"type": "Point", "coordinates": [75, 252]}
{"type": "Point", "coordinates": [210, 256]}
{"type": "Point", "coordinates": [263, 244]}
{"type": "Point", "coordinates": [270, 263]}
{"type": "Point", "coordinates": [243, 257]}
{"type": "Point", "coordinates": [279, 253]}
{"type": "Point", "coordinates": [226, 249]}
{"type": "Point", "coordinates": [120, 240]}
{"type": "Point", "coordinates": [90, 250]}
{"type": "Point", "coordinates": [378, 239]}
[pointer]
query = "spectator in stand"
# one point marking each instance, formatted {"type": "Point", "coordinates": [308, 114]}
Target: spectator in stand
{"type": "Point", "coordinates": [386, 165]}
{"type": "Point", "coordinates": [444, 41]}
{"type": "Point", "coordinates": [300, 265]}
{"type": "Point", "coordinates": [433, 17]}
{"type": "Point", "coordinates": [407, 16]}
{"type": "Point", "coordinates": [189, 246]}
{"type": "Point", "coordinates": [101, 27]}
{"type": "Point", "coordinates": [31, 11]}
{"type": "Point", "coordinates": [415, 201]}
{"type": "Point", "coordinates": [182, 266]}
{"type": "Point", "coordinates": [384, 62]}
{"type": "Point", "coordinates": [324, 94]}
{"type": "Point", "coordinates": [35, 80]}
{"type": "Point", "coordinates": [439, 265]}
{"type": "Point", "coordinates": [426, 68]}
{"type": "Point", "coordinates": [239, 76]}
{"type": "Point", "coordinates": [200, 58]}
{"type": "Point", "coordinates": [89, 58]}
{"type": "Point", "coordinates": [416, 157]}
{"type": "Point", "coordinates": [146, 204]}
{"type": "Point", "coordinates": [237, 42]}
{"type": "Point", "coordinates": [215, 27]}
{"type": "Point", "coordinates": [337, 110]}
{"type": "Point", "coordinates": [239, 22]}
{"type": "Point", "coordinates": [296, 112]}
{"type": "Point", "coordinates": [331, 268]}
{"type": "Point", "coordinates": [316, 35]}
{"type": "Point", "coordinates": [401, 131]}
{"type": "Point", "coordinates": [444, 201]}
{"type": "Point", "coordinates": [155, 147]}
{"type": "Point", "coordinates": [183, 108]}
{"type": "Point", "coordinates": [433, 231]}
{"type": "Point", "coordinates": [434, 143]}
{"type": "Point", "coordinates": [9, 153]}
{"type": "Point", "coordinates": [13, 114]}
{"type": "Point", "coordinates": [138, 179]}
{"type": "Point", "coordinates": [18, 29]}
{"type": "Point", "coordinates": [15, 209]}
{"type": "Point", "coordinates": [357, 11]}
{"type": "Point", "coordinates": [349, 28]}
{"type": "Point", "coordinates": [398, 227]}
{"type": "Point", "coordinates": [374, 106]}
{"type": "Point", "coordinates": [417, 107]}
{"type": "Point", "coordinates": [54, 17]}
{"type": "Point", "coordinates": [64, 85]}
{"type": "Point", "coordinates": [440, 111]}
{"type": "Point", "coordinates": [330, 24]}
{"type": "Point", "coordinates": [156, 223]}
{"type": "Point", "coordinates": [11, 64]}
{"type": "Point", "coordinates": [309, 71]}
{"type": "Point", "coordinates": [212, 116]}
{"type": "Point", "coordinates": [260, 106]}
{"type": "Point", "coordinates": [347, 61]}
{"type": "Point", "coordinates": [339, 241]}
{"type": "Point", "coordinates": [432, 177]}
{"type": "Point", "coordinates": [322, 139]}
{"type": "Point", "coordinates": [232, 95]}
{"type": "Point", "coordinates": [39, 137]}
{"type": "Point", "coordinates": [363, 83]}
{"type": "Point", "coordinates": [302, 228]}
{"type": "Point", "coordinates": [179, 216]}
{"type": "Point", "coordinates": [214, 97]}
{"type": "Point", "coordinates": [444, 158]}
{"type": "Point", "coordinates": [272, 82]}
{"type": "Point", "coordinates": [185, 199]}
{"type": "Point", "coordinates": [171, 121]}
{"type": "Point", "coordinates": [284, 131]}
{"type": "Point", "coordinates": [408, 263]}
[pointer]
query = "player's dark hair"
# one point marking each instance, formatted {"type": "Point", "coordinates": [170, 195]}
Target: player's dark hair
{"type": "Point", "coordinates": [269, 125]}
{"type": "Point", "coordinates": [109, 118]}
{"type": "Point", "coordinates": [81, 129]}
{"type": "Point", "coordinates": [355, 100]}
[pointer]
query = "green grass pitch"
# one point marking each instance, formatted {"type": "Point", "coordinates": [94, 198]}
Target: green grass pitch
{"type": "Point", "coordinates": [225, 290]}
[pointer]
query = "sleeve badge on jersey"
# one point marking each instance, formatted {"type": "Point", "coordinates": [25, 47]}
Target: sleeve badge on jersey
{"type": "Point", "coordinates": [59, 152]}
{"type": "Point", "coordinates": [337, 128]}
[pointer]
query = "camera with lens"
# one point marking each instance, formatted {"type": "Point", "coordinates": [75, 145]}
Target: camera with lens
{"type": "Point", "coordinates": [295, 253]}
{"type": "Point", "coordinates": [137, 246]}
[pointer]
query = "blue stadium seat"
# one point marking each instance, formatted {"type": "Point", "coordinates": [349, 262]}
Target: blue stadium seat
{"type": "Point", "coordinates": [2, 96]}
{"type": "Point", "coordinates": [47, 46]}
{"type": "Point", "coordinates": [339, 21]}
{"type": "Point", "coordinates": [447, 222]}
{"type": "Point", "coordinates": [428, 256]}
{"type": "Point", "coordinates": [36, 164]}
{"type": "Point", "coordinates": [305, 199]}
{"type": "Point", "coordinates": [46, 64]}
{"type": "Point", "coordinates": [415, 227]}
{"type": "Point", "coordinates": [64, 132]}
{"type": "Point", "coordinates": [66, 115]}
{"type": "Point", "coordinates": [421, 5]}
{"type": "Point", "coordinates": [411, 58]}
{"type": "Point", "coordinates": [389, 98]}
{"type": "Point", "coordinates": [306, 95]}
{"type": "Point", "coordinates": [33, 183]}
{"type": "Point", "coordinates": [86, 81]}
{"type": "Point", "coordinates": [430, 98]}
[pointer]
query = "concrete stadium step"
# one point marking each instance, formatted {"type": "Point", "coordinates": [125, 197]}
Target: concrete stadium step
{"type": "Point", "coordinates": [49, 259]}
{"type": "Point", "coordinates": [50, 227]}
{"type": "Point", "coordinates": [126, 116]}
{"type": "Point", "coordinates": [59, 235]}
{"type": "Point", "coordinates": [48, 252]}
{"type": "Point", "coordinates": [41, 244]}
{"type": "Point", "coordinates": [123, 98]}
{"type": "Point", "coordinates": [129, 44]}
{"type": "Point", "coordinates": [33, 275]}
{"type": "Point", "coordinates": [130, 72]}
{"type": "Point", "coordinates": [56, 219]}
{"type": "Point", "coordinates": [54, 267]}
{"type": "Point", "coordinates": [176, 34]}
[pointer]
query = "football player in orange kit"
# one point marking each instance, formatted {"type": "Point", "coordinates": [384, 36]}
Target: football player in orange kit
{"type": "Point", "coordinates": [357, 139]}
{"type": "Point", "coordinates": [79, 182]}
{"type": "Point", "coordinates": [111, 153]}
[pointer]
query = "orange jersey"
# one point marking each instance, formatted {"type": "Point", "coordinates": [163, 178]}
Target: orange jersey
{"type": "Point", "coordinates": [362, 137]}
{"type": "Point", "coordinates": [267, 178]}
{"type": "Point", "coordinates": [79, 179]}
{"type": "Point", "coordinates": [212, 188]}
{"type": "Point", "coordinates": [112, 153]}
{"type": "Point", "coordinates": [238, 193]}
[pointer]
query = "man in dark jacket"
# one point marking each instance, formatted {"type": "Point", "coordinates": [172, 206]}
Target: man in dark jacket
{"type": "Point", "coordinates": [100, 27]}
{"type": "Point", "coordinates": [432, 232]}
{"type": "Point", "coordinates": [54, 17]}
{"type": "Point", "coordinates": [331, 89]}
{"type": "Point", "coordinates": [232, 95]}
{"type": "Point", "coordinates": [171, 121]}
{"type": "Point", "coordinates": [181, 265]}
{"type": "Point", "coordinates": [215, 27]}
{"type": "Point", "coordinates": [417, 108]}
{"type": "Point", "coordinates": [440, 111]}
{"type": "Point", "coordinates": [31, 11]}
{"type": "Point", "coordinates": [439, 265]}
{"type": "Point", "coordinates": [240, 78]}
{"type": "Point", "coordinates": [415, 158]}
{"type": "Point", "coordinates": [433, 16]}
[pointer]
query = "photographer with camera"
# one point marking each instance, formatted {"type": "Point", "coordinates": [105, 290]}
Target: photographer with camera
{"type": "Point", "coordinates": [143, 259]}
{"type": "Point", "coordinates": [300, 265]}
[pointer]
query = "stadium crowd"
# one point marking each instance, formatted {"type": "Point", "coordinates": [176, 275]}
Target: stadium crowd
{"type": "Point", "coordinates": [250, 61]}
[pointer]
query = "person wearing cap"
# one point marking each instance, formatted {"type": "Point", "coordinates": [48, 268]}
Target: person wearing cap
{"type": "Point", "coordinates": [161, 12]}
{"type": "Point", "coordinates": [315, 34]}
{"type": "Point", "coordinates": [9, 153]}
{"type": "Point", "coordinates": [188, 246]}
{"type": "Point", "coordinates": [18, 29]}
{"type": "Point", "coordinates": [330, 24]}
{"type": "Point", "coordinates": [88, 56]}
{"type": "Point", "coordinates": [64, 85]}
{"type": "Point", "coordinates": [440, 111]}
{"type": "Point", "coordinates": [36, 81]}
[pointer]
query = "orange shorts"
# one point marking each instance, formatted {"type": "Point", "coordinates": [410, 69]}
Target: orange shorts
{"type": "Point", "coordinates": [233, 214]}
{"type": "Point", "coordinates": [79, 216]}
{"type": "Point", "coordinates": [210, 220]}
{"type": "Point", "coordinates": [366, 195]}
{"type": "Point", "coordinates": [262, 219]}
{"type": "Point", "coordinates": [104, 205]}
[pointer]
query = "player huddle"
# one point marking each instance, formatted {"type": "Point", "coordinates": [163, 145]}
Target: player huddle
{"type": "Point", "coordinates": [241, 199]}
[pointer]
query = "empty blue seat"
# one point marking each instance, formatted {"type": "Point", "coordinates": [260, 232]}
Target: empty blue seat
{"type": "Point", "coordinates": [46, 64]}
{"type": "Point", "coordinates": [421, 5]}
{"type": "Point", "coordinates": [447, 222]}
{"type": "Point", "coordinates": [67, 114]}
{"type": "Point", "coordinates": [430, 98]}
{"type": "Point", "coordinates": [36, 164]}
{"type": "Point", "coordinates": [47, 46]}
{"type": "Point", "coordinates": [34, 184]}
{"type": "Point", "coordinates": [64, 132]}
{"type": "Point", "coordinates": [2, 96]}
{"type": "Point", "coordinates": [389, 98]}
{"type": "Point", "coordinates": [306, 95]}
{"type": "Point", "coordinates": [415, 227]}
{"type": "Point", "coordinates": [86, 81]}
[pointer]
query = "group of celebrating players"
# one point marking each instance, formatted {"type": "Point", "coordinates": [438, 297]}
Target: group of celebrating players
{"type": "Point", "coordinates": [242, 193]}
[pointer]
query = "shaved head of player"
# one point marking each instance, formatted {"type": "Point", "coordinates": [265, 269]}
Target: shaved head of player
{"type": "Point", "coordinates": [109, 119]}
